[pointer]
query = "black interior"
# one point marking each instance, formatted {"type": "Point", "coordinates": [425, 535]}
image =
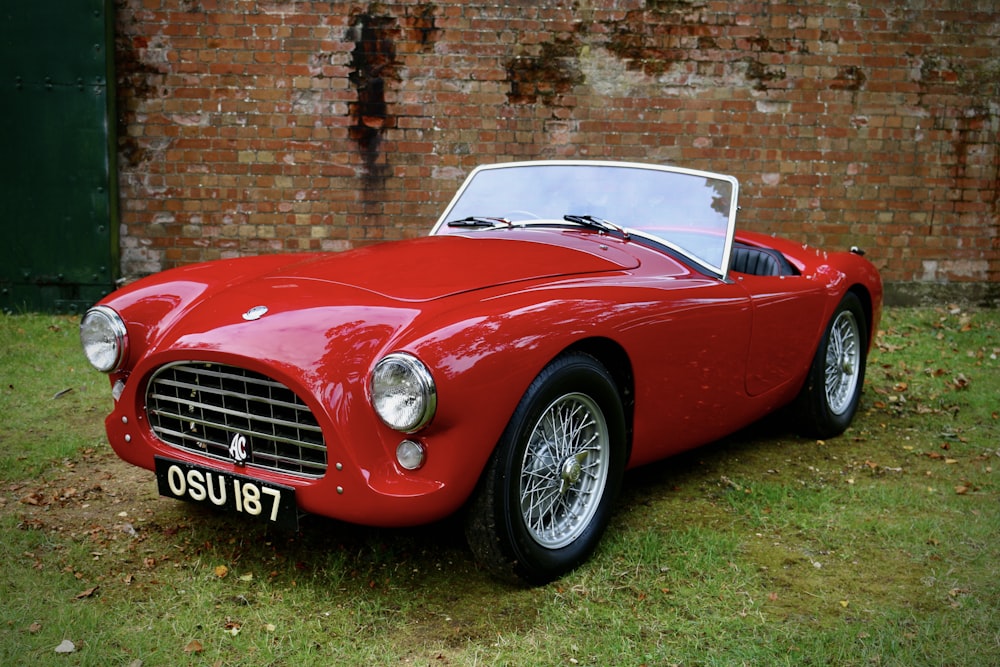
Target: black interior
{"type": "Point", "coordinates": [759, 261]}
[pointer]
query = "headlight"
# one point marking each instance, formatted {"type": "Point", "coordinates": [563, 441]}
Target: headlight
{"type": "Point", "coordinates": [104, 339]}
{"type": "Point", "coordinates": [403, 392]}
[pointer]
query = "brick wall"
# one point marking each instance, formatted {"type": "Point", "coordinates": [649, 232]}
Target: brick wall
{"type": "Point", "coordinates": [249, 127]}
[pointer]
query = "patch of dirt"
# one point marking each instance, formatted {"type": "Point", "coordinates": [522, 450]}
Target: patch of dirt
{"type": "Point", "coordinates": [131, 533]}
{"type": "Point", "coordinates": [94, 493]}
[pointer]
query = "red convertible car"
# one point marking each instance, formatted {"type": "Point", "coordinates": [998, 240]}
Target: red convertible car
{"type": "Point", "coordinates": [563, 322]}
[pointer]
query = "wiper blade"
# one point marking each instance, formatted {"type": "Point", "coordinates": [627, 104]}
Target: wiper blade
{"type": "Point", "coordinates": [479, 221]}
{"type": "Point", "coordinates": [596, 223]}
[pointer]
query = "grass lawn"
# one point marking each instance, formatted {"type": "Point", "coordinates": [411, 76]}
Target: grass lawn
{"type": "Point", "coordinates": [880, 547]}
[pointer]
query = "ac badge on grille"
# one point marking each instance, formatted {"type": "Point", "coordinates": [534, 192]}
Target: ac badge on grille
{"type": "Point", "coordinates": [255, 313]}
{"type": "Point", "coordinates": [238, 449]}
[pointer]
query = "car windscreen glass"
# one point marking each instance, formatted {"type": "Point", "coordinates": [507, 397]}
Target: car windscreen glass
{"type": "Point", "coordinates": [693, 212]}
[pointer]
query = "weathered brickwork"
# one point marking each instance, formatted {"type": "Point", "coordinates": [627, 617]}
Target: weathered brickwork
{"type": "Point", "coordinates": [249, 126]}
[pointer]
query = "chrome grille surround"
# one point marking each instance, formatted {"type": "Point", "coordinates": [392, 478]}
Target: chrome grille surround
{"type": "Point", "coordinates": [200, 407]}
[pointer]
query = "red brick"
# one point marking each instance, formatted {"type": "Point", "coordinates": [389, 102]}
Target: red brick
{"type": "Point", "coordinates": [236, 119]}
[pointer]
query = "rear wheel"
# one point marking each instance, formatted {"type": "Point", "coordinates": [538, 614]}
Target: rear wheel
{"type": "Point", "coordinates": [830, 397]}
{"type": "Point", "coordinates": [546, 495]}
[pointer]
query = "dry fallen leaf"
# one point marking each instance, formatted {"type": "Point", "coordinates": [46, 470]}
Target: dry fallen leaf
{"type": "Point", "coordinates": [33, 498]}
{"type": "Point", "coordinates": [194, 646]}
{"type": "Point", "coordinates": [87, 593]}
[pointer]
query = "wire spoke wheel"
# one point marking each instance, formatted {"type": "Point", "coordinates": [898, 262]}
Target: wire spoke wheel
{"type": "Point", "coordinates": [829, 399]}
{"type": "Point", "coordinates": [564, 470]}
{"type": "Point", "coordinates": [843, 361]}
{"type": "Point", "coordinates": [546, 495]}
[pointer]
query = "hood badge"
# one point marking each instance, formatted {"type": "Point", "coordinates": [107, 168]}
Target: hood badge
{"type": "Point", "coordinates": [255, 313]}
{"type": "Point", "coordinates": [238, 449]}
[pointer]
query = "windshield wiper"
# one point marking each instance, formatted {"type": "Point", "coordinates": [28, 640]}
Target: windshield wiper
{"type": "Point", "coordinates": [479, 221]}
{"type": "Point", "coordinates": [596, 223]}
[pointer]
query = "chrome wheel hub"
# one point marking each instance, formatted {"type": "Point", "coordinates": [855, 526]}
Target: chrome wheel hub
{"type": "Point", "coordinates": [571, 472]}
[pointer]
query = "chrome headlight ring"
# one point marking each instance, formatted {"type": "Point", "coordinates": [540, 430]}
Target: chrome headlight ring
{"type": "Point", "coordinates": [104, 339]}
{"type": "Point", "coordinates": [402, 392]}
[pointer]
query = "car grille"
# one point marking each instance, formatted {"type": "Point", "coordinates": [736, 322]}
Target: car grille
{"type": "Point", "coordinates": [203, 407]}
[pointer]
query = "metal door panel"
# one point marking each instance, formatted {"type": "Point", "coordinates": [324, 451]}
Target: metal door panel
{"type": "Point", "coordinates": [58, 201]}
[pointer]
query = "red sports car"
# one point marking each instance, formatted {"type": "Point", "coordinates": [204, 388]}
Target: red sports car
{"type": "Point", "coordinates": [563, 321]}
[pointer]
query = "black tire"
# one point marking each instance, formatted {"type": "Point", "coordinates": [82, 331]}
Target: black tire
{"type": "Point", "coordinates": [829, 399]}
{"type": "Point", "coordinates": [546, 497]}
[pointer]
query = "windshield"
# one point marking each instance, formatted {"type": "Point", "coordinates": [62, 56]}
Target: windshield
{"type": "Point", "coordinates": [692, 212]}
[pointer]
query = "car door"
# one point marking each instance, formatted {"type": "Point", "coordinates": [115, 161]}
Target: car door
{"type": "Point", "coordinates": [689, 343]}
{"type": "Point", "coordinates": [787, 316]}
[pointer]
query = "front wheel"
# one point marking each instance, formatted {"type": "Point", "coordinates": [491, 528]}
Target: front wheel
{"type": "Point", "coordinates": [546, 495]}
{"type": "Point", "coordinates": [828, 401]}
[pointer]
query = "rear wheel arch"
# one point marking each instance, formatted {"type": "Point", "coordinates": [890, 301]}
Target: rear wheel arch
{"type": "Point", "coordinates": [830, 397]}
{"type": "Point", "coordinates": [867, 308]}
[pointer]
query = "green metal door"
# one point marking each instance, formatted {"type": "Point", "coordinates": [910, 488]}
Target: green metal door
{"type": "Point", "coordinates": [58, 192]}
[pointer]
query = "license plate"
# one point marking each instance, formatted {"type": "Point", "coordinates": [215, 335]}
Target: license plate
{"type": "Point", "coordinates": [274, 503]}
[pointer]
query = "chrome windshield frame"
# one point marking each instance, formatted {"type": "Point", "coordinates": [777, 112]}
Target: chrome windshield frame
{"type": "Point", "coordinates": [510, 198]}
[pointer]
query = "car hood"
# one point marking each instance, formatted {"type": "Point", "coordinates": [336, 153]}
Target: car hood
{"type": "Point", "coordinates": [362, 298]}
{"type": "Point", "coordinates": [435, 267]}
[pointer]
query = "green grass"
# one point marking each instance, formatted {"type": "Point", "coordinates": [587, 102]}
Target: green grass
{"type": "Point", "coordinates": [52, 403]}
{"type": "Point", "coordinates": [879, 547]}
